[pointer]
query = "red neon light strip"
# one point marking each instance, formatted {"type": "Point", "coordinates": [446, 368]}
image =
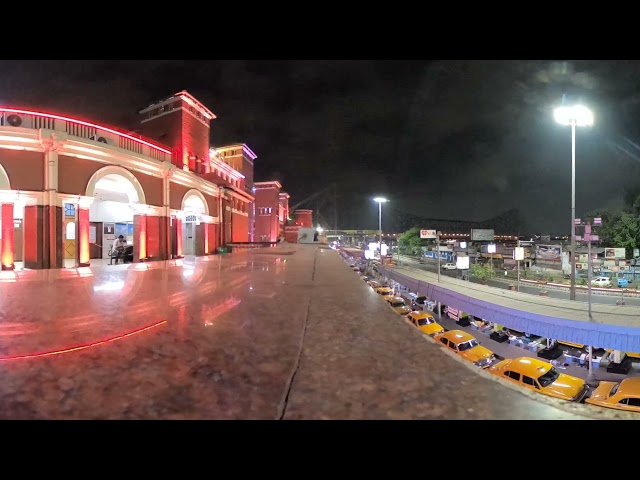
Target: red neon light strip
{"type": "Point", "coordinates": [82, 347]}
{"type": "Point", "coordinates": [92, 125]}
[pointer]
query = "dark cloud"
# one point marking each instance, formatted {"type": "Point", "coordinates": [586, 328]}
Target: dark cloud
{"type": "Point", "coordinates": [442, 139]}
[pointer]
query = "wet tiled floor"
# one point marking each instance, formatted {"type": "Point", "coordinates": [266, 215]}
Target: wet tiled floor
{"type": "Point", "coordinates": [287, 332]}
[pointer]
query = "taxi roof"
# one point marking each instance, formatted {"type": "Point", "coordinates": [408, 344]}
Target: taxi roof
{"type": "Point", "coordinates": [630, 387]}
{"type": "Point", "coordinates": [529, 364]}
{"type": "Point", "coordinates": [458, 336]}
{"type": "Point", "coordinates": [421, 314]}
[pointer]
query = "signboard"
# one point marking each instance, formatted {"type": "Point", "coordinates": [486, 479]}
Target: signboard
{"type": "Point", "coordinates": [491, 248]}
{"type": "Point", "coordinates": [482, 234]}
{"type": "Point", "coordinates": [463, 244]}
{"type": "Point", "coordinates": [611, 253]}
{"type": "Point", "coordinates": [373, 246]}
{"type": "Point", "coordinates": [453, 313]}
{"type": "Point", "coordinates": [369, 254]}
{"type": "Point", "coordinates": [92, 234]}
{"type": "Point", "coordinates": [636, 252]}
{"type": "Point", "coordinates": [427, 234]}
{"type": "Point", "coordinates": [462, 263]}
{"type": "Point", "coordinates": [518, 253]}
{"type": "Point", "coordinates": [548, 254]}
{"type": "Point", "coordinates": [383, 249]}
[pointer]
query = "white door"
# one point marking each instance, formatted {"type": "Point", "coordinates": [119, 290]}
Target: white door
{"type": "Point", "coordinates": [189, 238]}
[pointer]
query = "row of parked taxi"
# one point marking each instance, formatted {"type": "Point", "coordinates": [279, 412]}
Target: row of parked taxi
{"type": "Point", "coordinates": [528, 372]}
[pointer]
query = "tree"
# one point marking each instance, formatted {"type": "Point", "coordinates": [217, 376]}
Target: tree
{"type": "Point", "coordinates": [410, 242]}
{"type": "Point", "coordinates": [482, 271]}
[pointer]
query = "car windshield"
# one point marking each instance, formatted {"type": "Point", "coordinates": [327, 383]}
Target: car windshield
{"type": "Point", "coordinates": [398, 304]}
{"type": "Point", "coordinates": [385, 292]}
{"type": "Point", "coordinates": [425, 321]}
{"type": "Point", "coordinates": [467, 345]}
{"type": "Point", "coordinates": [614, 390]}
{"type": "Point", "coordinates": [548, 378]}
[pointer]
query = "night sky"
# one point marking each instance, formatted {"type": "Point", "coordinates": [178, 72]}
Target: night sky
{"type": "Point", "coordinates": [452, 139]}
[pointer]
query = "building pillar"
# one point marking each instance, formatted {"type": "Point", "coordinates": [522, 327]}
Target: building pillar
{"type": "Point", "coordinates": [34, 247]}
{"type": "Point", "coordinates": [52, 233]}
{"type": "Point", "coordinates": [139, 238]}
{"type": "Point", "coordinates": [178, 223]}
{"type": "Point", "coordinates": [166, 249]}
{"type": "Point", "coordinates": [82, 237]}
{"type": "Point", "coordinates": [7, 250]}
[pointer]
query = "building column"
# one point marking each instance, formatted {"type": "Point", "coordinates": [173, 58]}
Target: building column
{"type": "Point", "coordinates": [7, 249]}
{"type": "Point", "coordinates": [178, 223]}
{"type": "Point", "coordinates": [52, 227]}
{"type": "Point", "coordinates": [139, 238]}
{"type": "Point", "coordinates": [82, 237]}
{"type": "Point", "coordinates": [165, 222]}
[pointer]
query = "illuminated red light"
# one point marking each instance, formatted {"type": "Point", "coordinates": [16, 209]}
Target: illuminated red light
{"type": "Point", "coordinates": [82, 347]}
{"type": "Point", "coordinates": [92, 125]}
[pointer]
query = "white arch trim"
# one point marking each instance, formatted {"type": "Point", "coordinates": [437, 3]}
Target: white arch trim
{"type": "Point", "coordinates": [195, 193]}
{"type": "Point", "coordinates": [115, 170]}
{"type": "Point", "coordinates": [4, 179]}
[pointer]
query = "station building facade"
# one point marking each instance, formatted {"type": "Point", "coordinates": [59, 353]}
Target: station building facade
{"type": "Point", "coordinates": [69, 187]}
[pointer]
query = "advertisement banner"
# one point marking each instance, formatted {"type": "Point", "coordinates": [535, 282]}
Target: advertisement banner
{"type": "Point", "coordinates": [518, 253]}
{"type": "Point", "coordinates": [482, 235]}
{"type": "Point", "coordinates": [611, 253]}
{"type": "Point", "coordinates": [427, 234]}
{"type": "Point", "coordinates": [462, 263]}
{"type": "Point", "coordinates": [548, 254]}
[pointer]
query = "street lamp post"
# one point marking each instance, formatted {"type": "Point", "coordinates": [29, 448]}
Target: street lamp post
{"type": "Point", "coordinates": [380, 201]}
{"type": "Point", "coordinates": [580, 116]}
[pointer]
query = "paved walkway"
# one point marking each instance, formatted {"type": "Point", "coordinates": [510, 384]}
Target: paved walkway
{"type": "Point", "coordinates": [288, 332]}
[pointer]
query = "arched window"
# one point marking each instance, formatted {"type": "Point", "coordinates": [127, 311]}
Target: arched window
{"type": "Point", "coordinates": [70, 233]}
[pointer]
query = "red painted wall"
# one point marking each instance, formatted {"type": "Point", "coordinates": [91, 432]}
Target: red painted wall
{"type": "Point", "coordinates": [240, 228]}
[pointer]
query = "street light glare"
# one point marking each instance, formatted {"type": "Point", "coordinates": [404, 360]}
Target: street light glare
{"type": "Point", "coordinates": [380, 200]}
{"type": "Point", "coordinates": [576, 114]}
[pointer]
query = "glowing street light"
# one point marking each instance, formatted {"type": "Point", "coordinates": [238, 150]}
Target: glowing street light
{"type": "Point", "coordinates": [581, 116]}
{"type": "Point", "coordinates": [380, 201]}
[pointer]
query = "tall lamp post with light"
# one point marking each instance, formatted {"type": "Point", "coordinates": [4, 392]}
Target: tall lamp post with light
{"type": "Point", "coordinates": [576, 116]}
{"type": "Point", "coordinates": [380, 201]}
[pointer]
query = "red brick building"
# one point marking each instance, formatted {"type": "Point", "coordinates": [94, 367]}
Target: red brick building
{"type": "Point", "coordinates": [69, 187]}
{"type": "Point", "coordinates": [271, 211]}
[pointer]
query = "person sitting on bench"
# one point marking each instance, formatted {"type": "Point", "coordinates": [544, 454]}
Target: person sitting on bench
{"type": "Point", "coordinates": [117, 252]}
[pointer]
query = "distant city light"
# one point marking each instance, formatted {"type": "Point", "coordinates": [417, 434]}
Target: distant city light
{"type": "Point", "coordinates": [579, 115]}
{"type": "Point", "coordinates": [380, 200]}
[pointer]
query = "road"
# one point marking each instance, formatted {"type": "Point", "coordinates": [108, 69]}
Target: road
{"type": "Point", "coordinates": [524, 288]}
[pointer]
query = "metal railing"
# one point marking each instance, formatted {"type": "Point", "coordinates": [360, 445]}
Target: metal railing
{"type": "Point", "coordinates": [102, 135]}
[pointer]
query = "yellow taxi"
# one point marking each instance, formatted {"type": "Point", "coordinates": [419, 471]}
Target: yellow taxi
{"type": "Point", "coordinates": [383, 290]}
{"type": "Point", "coordinates": [574, 345]}
{"type": "Point", "coordinates": [542, 377]}
{"type": "Point", "coordinates": [397, 304]}
{"type": "Point", "coordinates": [425, 322]}
{"type": "Point", "coordinates": [466, 346]}
{"type": "Point", "coordinates": [624, 395]}
{"type": "Point", "coordinates": [628, 354]}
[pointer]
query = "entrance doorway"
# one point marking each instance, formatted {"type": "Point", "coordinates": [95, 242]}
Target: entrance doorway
{"type": "Point", "coordinates": [193, 206]}
{"type": "Point", "coordinates": [189, 236]}
{"type": "Point", "coordinates": [115, 190]}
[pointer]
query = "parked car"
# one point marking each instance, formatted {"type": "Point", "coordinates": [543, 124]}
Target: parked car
{"type": "Point", "coordinates": [398, 305]}
{"type": "Point", "coordinates": [449, 266]}
{"type": "Point", "coordinates": [425, 323]}
{"type": "Point", "coordinates": [383, 290]}
{"type": "Point", "coordinates": [466, 346]}
{"type": "Point", "coordinates": [624, 395]}
{"type": "Point", "coordinates": [601, 282]}
{"type": "Point", "coordinates": [542, 377]}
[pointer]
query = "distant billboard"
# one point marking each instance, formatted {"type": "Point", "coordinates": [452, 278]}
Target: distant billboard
{"type": "Point", "coordinates": [612, 253]}
{"type": "Point", "coordinates": [427, 234]}
{"type": "Point", "coordinates": [462, 263]}
{"type": "Point", "coordinates": [482, 235]}
{"type": "Point", "coordinates": [518, 253]}
{"type": "Point", "coordinates": [549, 254]}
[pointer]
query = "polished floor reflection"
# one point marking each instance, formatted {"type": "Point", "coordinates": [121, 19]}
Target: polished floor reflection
{"type": "Point", "coordinates": [289, 332]}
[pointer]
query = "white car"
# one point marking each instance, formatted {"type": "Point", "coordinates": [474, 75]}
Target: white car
{"type": "Point", "coordinates": [601, 282]}
{"type": "Point", "coordinates": [449, 266]}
